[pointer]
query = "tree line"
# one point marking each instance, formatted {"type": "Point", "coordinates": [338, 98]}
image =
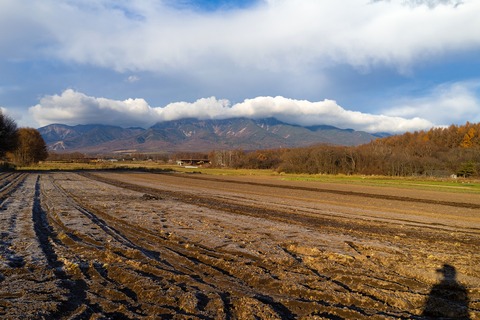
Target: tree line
{"type": "Point", "coordinates": [436, 152]}
{"type": "Point", "coordinates": [22, 146]}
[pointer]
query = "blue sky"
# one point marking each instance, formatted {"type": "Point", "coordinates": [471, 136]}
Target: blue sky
{"type": "Point", "coordinates": [375, 65]}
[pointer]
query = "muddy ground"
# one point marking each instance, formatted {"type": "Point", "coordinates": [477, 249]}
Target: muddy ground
{"type": "Point", "coordinates": [178, 246]}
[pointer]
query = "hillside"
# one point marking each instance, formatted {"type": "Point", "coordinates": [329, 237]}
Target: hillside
{"type": "Point", "coordinates": [196, 135]}
{"type": "Point", "coordinates": [59, 137]}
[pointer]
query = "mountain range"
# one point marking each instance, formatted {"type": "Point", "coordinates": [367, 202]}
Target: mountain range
{"type": "Point", "coordinates": [196, 136]}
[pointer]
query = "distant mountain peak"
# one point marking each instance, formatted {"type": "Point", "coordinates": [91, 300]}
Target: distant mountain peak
{"type": "Point", "coordinates": [191, 134]}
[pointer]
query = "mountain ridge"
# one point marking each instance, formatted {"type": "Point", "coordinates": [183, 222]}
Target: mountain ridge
{"type": "Point", "coordinates": [190, 134]}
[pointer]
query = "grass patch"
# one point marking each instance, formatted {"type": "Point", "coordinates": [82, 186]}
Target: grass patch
{"type": "Point", "coordinates": [423, 183]}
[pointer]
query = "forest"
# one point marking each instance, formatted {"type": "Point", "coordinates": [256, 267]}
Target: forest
{"type": "Point", "coordinates": [438, 152]}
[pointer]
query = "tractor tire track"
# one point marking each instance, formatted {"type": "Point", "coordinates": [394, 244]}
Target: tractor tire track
{"type": "Point", "coordinates": [245, 210]}
{"type": "Point", "coordinates": [116, 250]}
{"type": "Point", "coordinates": [295, 215]}
{"type": "Point", "coordinates": [46, 236]}
{"type": "Point", "coordinates": [176, 261]}
{"type": "Point", "coordinates": [27, 277]}
{"type": "Point", "coordinates": [423, 233]}
{"type": "Point", "coordinates": [8, 184]}
{"type": "Point", "coordinates": [455, 204]}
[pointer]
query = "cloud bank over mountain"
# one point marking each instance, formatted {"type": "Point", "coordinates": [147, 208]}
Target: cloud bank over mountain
{"type": "Point", "coordinates": [72, 107]}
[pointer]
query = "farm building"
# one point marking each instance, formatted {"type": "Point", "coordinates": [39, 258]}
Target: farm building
{"type": "Point", "coordinates": [192, 162]}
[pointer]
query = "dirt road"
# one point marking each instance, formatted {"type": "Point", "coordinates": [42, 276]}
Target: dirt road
{"type": "Point", "coordinates": [178, 246]}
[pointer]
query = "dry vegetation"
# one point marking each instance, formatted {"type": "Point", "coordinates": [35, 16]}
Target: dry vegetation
{"type": "Point", "coordinates": [141, 245]}
{"type": "Point", "coordinates": [437, 152]}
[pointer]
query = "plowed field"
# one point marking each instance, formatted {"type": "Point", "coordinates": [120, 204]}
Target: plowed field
{"type": "Point", "coordinates": [179, 246]}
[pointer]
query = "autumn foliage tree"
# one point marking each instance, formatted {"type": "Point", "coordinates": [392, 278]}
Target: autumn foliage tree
{"type": "Point", "coordinates": [31, 147]}
{"type": "Point", "coordinates": [437, 152]}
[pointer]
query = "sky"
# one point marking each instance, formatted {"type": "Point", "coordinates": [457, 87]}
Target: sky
{"type": "Point", "coordinates": [372, 65]}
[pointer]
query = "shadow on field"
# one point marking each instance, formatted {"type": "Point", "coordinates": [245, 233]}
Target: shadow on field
{"type": "Point", "coordinates": [448, 299]}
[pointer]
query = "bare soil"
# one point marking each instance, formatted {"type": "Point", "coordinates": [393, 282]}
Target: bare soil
{"type": "Point", "coordinates": [182, 246]}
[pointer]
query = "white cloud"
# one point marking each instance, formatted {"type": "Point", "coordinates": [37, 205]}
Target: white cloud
{"type": "Point", "coordinates": [73, 107]}
{"type": "Point", "coordinates": [133, 78]}
{"type": "Point", "coordinates": [444, 105]}
{"type": "Point", "coordinates": [273, 35]}
{"type": "Point", "coordinates": [432, 3]}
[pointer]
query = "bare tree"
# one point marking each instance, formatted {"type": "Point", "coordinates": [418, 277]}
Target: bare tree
{"type": "Point", "coordinates": [8, 134]}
